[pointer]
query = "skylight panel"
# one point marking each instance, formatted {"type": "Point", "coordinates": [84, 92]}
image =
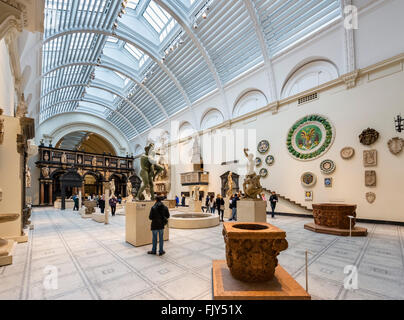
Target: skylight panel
{"type": "Point", "coordinates": [132, 4]}
{"type": "Point", "coordinates": [133, 51]}
{"type": "Point", "coordinates": [156, 16]}
{"type": "Point", "coordinates": [112, 39]}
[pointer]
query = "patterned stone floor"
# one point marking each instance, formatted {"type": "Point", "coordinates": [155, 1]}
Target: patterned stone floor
{"type": "Point", "coordinates": [94, 262]}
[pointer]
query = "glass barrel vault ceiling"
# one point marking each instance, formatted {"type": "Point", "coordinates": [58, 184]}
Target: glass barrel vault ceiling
{"type": "Point", "coordinates": [136, 65]}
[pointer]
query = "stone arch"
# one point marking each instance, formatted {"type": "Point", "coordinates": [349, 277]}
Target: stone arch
{"type": "Point", "coordinates": [249, 101]}
{"type": "Point", "coordinates": [185, 130]}
{"type": "Point", "coordinates": [211, 118]}
{"type": "Point", "coordinates": [307, 75]}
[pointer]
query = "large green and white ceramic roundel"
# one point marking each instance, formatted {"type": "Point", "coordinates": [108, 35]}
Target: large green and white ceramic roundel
{"type": "Point", "coordinates": [310, 137]}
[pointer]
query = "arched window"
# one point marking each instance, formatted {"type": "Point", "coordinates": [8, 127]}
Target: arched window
{"type": "Point", "coordinates": [249, 102]}
{"type": "Point", "coordinates": [185, 130]}
{"type": "Point", "coordinates": [308, 76]}
{"type": "Point", "coordinates": [212, 118]}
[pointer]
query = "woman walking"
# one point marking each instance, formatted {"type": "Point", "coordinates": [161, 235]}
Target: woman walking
{"type": "Point", "coordinates": [212, 204]}
{"type": "Point", "coordinates": [220, 206]}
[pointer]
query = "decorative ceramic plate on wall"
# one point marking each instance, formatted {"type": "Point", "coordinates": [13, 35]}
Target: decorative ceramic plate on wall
{"type": "Point", "coordinates": [269, 160]}
{"type": "Point", "coordinates": [263, 146]}
{"type": "Point", "coordinates": [310, 137]}
{"type": "Point", "coordinates": [258, 161]}
{"type": "Point", "coordinates": [308, 179]}
{"type": "Point", "coordinates": [327, 166]}
{"type": "Point", "coordinates": [263, 172]}
{"type": "Point", "coordinates": [347, 153]}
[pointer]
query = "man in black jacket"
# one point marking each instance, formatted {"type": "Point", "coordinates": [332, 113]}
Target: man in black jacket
{"type": "Point", "coordinates": [273, 199]}
{"type": "Point", "coordinates": [159, 215]}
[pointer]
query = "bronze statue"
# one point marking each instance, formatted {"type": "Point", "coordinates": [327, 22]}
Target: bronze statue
{"type": "Point", "coordinates": [149, 170]}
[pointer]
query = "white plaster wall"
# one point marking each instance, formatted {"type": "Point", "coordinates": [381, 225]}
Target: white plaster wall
{"type": "Point", "coordinates": [371, 104]}
{"type": "Point", "coordinates": [380, 33]}
{"type": "Point", "coordinates": [6, 81]}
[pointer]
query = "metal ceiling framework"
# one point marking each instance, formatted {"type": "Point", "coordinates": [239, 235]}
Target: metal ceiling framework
{"type": "Point", "coordinates": [155, 58]}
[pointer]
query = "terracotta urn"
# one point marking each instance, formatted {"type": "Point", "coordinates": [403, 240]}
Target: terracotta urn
{"type": "Point", "coordinates": [252, 250]}
{"type": "Point", "coordinates": [334, 215]}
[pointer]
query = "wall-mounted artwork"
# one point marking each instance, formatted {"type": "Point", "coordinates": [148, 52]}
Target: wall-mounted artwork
{"type": "Point", "coordinates": [396, 145]}
{"type": "Point", "coordinates": [370, 197]}
{"type": "Point", "coordinates": [269, 160]}
{"type": "Point", "coordinates": [308, 195]}
{"type": "Point", "coordinates": [347, 153]}
{"type": "Point", "coordinates": [328, 182]}
{"type": "Point", "coordinates": [370, 158]}
{"type": "Point", "coordinates": [308, 179]}
{"type": "Point", "coordinates": [368, 136]}
{"type": "Point", "coordinates": [370, 178]}
{"type": "Point", "coordinates": [263, 172]}
{"type": "Point", "coordinates": [258, 161]}
{"type": "Point", "coordinates": [327, 166]}
{"type": "Point", "coordinates": [263, 146]}
{"type": "Point", "coordinates": [310, 137]}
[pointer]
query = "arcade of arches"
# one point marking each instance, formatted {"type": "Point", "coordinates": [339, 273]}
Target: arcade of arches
{"type": "Point", "coordinates": [271, 130]}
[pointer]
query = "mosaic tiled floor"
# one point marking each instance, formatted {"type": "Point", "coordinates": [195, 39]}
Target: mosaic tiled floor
{"type": "Point", "coordinates": [94, 262]}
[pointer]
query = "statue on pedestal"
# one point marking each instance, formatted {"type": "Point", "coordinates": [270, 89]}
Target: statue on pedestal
{"type": "Point", "coordinates": [112, 187]}
{"type": "Point", "coordinates": [229, 185]}
{"type": "Point", "coordinates": [129, 189]}
{"type": "Point", "coordinates": [196, 193]}
{"type": "Point", "coordinates": [63, 158]}
{"type": "Point", "coordinates": [252, 186]}
{"type": "Point", "coordinates": [149, 170]}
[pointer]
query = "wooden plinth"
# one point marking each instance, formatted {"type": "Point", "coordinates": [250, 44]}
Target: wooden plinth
{"type": "Point", "coordinates": [356, 231]}
{"type": "Point", "coordinates": [282, 287]}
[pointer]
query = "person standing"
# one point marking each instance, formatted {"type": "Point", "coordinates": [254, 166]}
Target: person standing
{"type": "Point", "coordinates": [212, 204]}
{"type": "Point", "coordinates": [159, 215]}
{"type": "Point", "coordinates": [273, 199]}
{"type": "Point", "coordinates": [112, 203]}
{"type": "Point", "coordinates": [101, 203]}
{"type": "Point", "coordinates": [234, 208]}
{"type": "Point", "coordinates": [183, 200]}
{"type": "Point", "coordinates": [177, 201]}
{"type": "Point", "coordinates": [76, 202]}
{"type": "Point", "coordinates": [220, 206]}
{"type": "Point", "coordinates": [207, 203]}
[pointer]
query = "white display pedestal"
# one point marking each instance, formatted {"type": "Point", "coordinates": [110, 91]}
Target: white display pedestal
{"type": "Point", "coordinates": [6, 253]}
{"type": "Point", "coordinates": [227, 210]}
{"type": "Point", "coordinates": [138, 231]}
{"type": "Point", "coordinates": [195, 206]}
{"type": "Point", "coordinates": [69, 204]}
{"type": "Point", "coordinates": [99, 217]}
{"type": "Point", "coordinates": [251, 211]}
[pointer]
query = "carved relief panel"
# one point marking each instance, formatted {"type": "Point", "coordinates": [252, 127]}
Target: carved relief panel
{"type": "Point", "coordinates": [370, 158]}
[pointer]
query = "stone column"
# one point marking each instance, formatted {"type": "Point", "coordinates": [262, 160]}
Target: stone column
{"type": "Point", "coordinates": [50, 193]}
{"type": "Point", "coordinates": [79, 199]}
{"type": "Point", "coordinates": [42, 193]}
{"type": "Point", "coordinates": [107, 207]}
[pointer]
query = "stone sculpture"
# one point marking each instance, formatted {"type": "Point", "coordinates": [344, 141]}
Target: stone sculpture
{"type": "Point", "coordinates": [252, 186]}
{"type": "Point", "coordinates": [396, 145]}
{"type": "Point", "coordinates": [347, 153]}
{"type": "Point", "coordinates": [370, 197]}
{"type": "Point", "coordinates": [252, 250]}
{"type": "Point", "coordinates": [368, 136]}
{"type": "Point", "coordinates": [26, 215]}
{"type": "Point", "coordinates": [369, 158]}
{"type": "Point", "coordinates": [112, 187]}
{"type": "Point", "coordinates": [196, 193]}
{"type": "Point", "coordinates": [27, 177]}
{"type": "Point", "coordinates": [149, 170]}
{"type": "Point", "coordinates": [63, 159]}
{"type": "Point", "coordinates": [1, 131]}
{"type": "Point", "coordinates": [94, 162]}
{"type": "Point", "coordinates": [370, 178]}
{"type": "Point", "coordinates": [90, 206]}
{"type": "Point", "coordinates": [45, 172]}
{"type": "Point", "coordinates": [129, 188]}
{"type": "Point", "coordinates": [229, 185]}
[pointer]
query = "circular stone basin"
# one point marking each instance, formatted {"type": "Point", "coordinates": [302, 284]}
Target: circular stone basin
{"type": "Point", "coordinates": [250, 226]}
{"type": "Point", "coordinates": [193, 221]}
